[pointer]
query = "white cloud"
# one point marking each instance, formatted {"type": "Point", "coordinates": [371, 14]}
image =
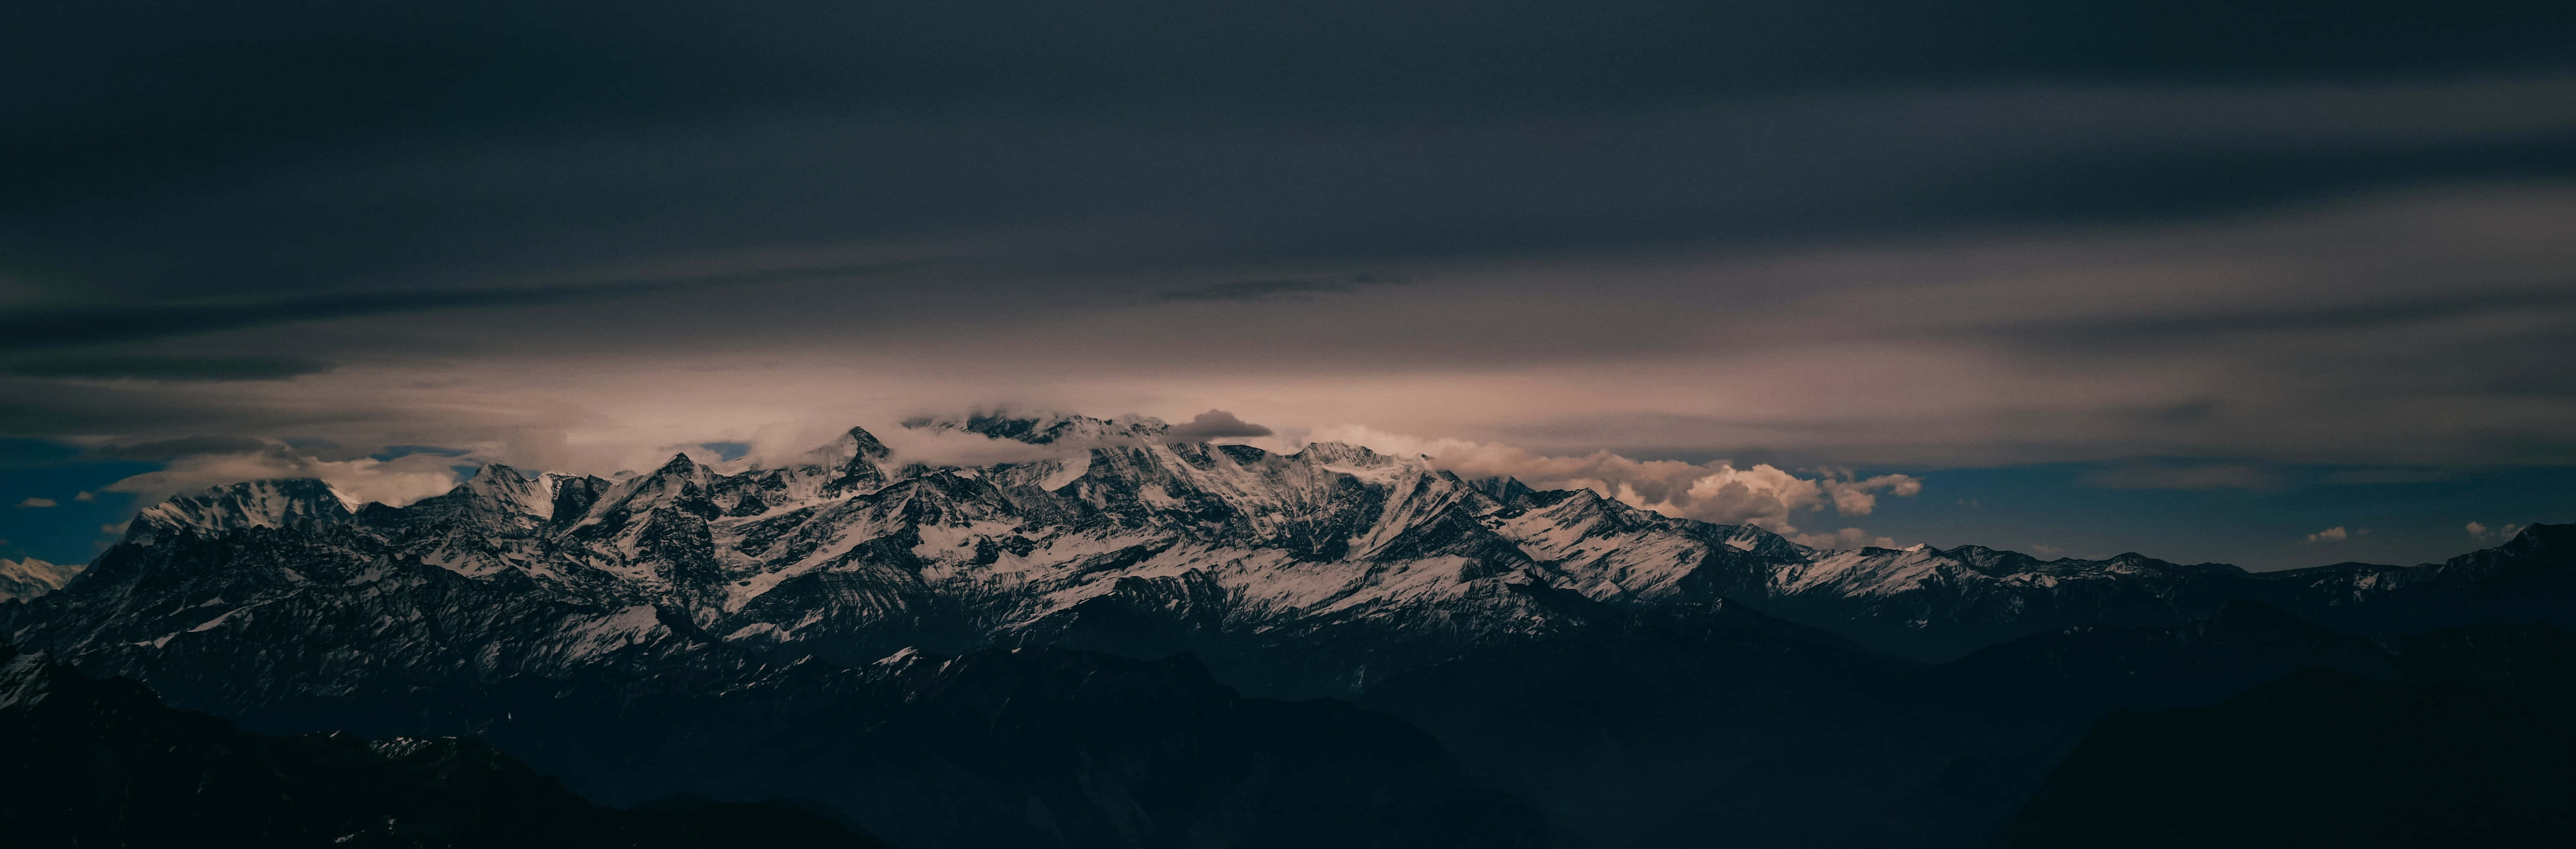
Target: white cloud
{"type": "Point", "coordinates": [1762, 495]}
{"type": "Point", "coordinates": [1858, 497]}
{"type": "Point", "coordinates": [2480, 532]}
{"type": "Point", "coordinates": [33, 501]}
{"type": "Point", "coordinates": [396, 482]}
{"type": "Point", "coordinates": [963, 448]}
{"type": "Point", "coordinates": [2330, 536]}
{"type": "Point", "coordinates": [85, 495]}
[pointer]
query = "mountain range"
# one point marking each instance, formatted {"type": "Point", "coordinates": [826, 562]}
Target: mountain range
{"type": "Point", "coordinates": [1335, 645]}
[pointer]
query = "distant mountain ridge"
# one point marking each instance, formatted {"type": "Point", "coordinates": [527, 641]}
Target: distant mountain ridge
{"type": "Point", "coordinates": [30, 577]}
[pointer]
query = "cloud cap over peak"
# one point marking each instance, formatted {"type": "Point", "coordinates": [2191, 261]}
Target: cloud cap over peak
{"type": "Point", "coordinates": [1214, 424]}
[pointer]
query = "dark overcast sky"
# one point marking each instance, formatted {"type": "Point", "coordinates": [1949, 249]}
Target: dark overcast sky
{"type": "Point", "coordinates": [2198, 279]}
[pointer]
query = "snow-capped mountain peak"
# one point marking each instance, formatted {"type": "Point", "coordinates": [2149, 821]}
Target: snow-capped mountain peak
{"type": "Point", "coordinates": [300, 503]}
{"type": "Point", "coordinates": [30, 577]}
{"type": "Point", "coordinates": [1049, 428]}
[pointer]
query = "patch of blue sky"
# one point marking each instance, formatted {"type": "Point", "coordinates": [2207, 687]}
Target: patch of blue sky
{"type": "Point", "coordinates": [74, 528]}
{"type": "Point", "coordinates": [2258, 519]}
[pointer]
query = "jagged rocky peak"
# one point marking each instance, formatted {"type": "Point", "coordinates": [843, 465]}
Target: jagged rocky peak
{"type": "Point", "coordinates": [502, 488]}
{"type": "Point", "coordinates": [679, 478]}
{"type": "Point", "coordinates": [497, 480]}
{"type": "Point", "coordinates": [853, 447]}
{"type": "Point", "coordinates": [1345, 452]}
{"type": "Point", "coordinates": [682, 469]}
{"type": "Point", "coordinates": [682, 484]}
{"type": "Point", "coordinates": [1051, 428]}
{"type": "Point", "coordinates": [1575, 501]}
{"type": "Point", "coordinates": [1560, 519]}
{"type": "Point", "coordinates": [575, 494]}
{"type": "Point", "coordinates": [1503, 489]}
{"type": "Point", "coordinates": [853, 462]}
{"type": "Point", "coordinates": [2539, 539]}
{"type": "Point", "coordinates": [1367, 465]}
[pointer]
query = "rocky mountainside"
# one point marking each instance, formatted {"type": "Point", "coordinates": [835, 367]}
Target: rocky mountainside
{"type": "Point", "coordinates": [1006, 748]}
{"type": "Point", "coordinates": [102, 763]}
{"type": "Point", "coordinates": [1654, 730]}
{"type": "Point", "coordinates": [2468, 748]}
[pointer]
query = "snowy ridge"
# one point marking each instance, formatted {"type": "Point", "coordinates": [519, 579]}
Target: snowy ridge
{"type": "Point", "coordinates": [1046, 428]}
{"type": "Point", "coordinates": [302, 504]}
{"type": "Point", "coordinates": [31, 577]}
{"type": "Point", "coordinates": [1333, 566]}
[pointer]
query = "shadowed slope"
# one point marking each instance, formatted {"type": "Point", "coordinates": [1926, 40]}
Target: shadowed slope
{"type": "Point", "coordinates": [102, 763]}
